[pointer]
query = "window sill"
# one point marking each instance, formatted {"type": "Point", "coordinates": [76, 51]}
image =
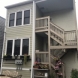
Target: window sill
{"type": "Point", "coordinates": [10, 58]}
{"type": "Point", "coordinates": [19, 25]}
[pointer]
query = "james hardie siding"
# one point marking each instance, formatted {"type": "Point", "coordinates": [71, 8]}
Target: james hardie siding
{"type": "Point", "coordinates": [18, 32]}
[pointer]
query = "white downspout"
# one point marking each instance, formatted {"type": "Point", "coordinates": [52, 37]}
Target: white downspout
{"type": "Point", "coordinates": [33, 38]}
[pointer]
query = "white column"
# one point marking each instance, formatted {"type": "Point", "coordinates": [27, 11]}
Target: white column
{"type": "Point", "coordinates": [33, 38]}
{"type": "Point", "coordinates": [21, 46]}
{"type": "Point", "coordinates": [33, 33]}
{"type": "Point", "coordinates": [13, 47]}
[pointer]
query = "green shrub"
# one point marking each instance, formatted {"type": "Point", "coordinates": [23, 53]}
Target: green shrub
{"type": "Point", "coordinates": [74, 73]}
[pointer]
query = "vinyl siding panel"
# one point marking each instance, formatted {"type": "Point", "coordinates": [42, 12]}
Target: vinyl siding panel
{"type": "Point", "coordinates": [38, 12]}
{"type": "Point", "coordinates": [12, 64]}
{"type": "Point", "coordinates": [23, 31]}
{"type": "Point", "coordinates": [70, 60]}
{"type": "Point", "coordinates": [19, 32]}
{"type": "Point", "coordinates": [24, 73]}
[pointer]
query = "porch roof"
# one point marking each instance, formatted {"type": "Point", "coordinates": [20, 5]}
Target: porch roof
{"type": "Point", "coordinates": [55, 5]}
{"type": "Point", "coordinates": [20, 4]}
{"type": "Point", "coordinates": [48, 5]}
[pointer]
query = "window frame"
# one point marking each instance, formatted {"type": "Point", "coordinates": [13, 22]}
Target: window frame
{"type": "Point", "coordinates": [21, 42]}
{"type": "Point", "coordinates": [11, 20]}
{"type": "Point", "coordinates": [22, 18]}
{"type": "Point", "coordinates": [18, 18]}
{"type": "Point", "coordinates": [29, 18]}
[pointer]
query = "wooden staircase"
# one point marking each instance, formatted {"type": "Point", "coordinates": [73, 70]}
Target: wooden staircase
{"type": "Point", "coordinates": [65, 39]}
{"type": "Point", "coordinates": [56, 33]}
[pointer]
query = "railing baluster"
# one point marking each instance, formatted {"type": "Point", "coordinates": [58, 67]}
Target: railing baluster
{"type": "Point", "coordinates": [44, 56]}
{"type": "Point", "coordinates": [70, 37]}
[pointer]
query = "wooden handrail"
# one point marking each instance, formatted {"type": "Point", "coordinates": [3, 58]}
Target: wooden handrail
{"type": "Point", "coordinates": [57, 26]}
{"type": "Point", "coordinates": [70, 31]}
{"type": "Point", "coordinates": [42, 18]}
{"type": "Point", "coordinates": [41, 52]}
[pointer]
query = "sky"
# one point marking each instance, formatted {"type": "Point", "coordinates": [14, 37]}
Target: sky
{"type": "Point", "coordinates": [4, 3]}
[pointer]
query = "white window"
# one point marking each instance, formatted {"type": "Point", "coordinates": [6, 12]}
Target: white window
{"type": "Point", "coordinates": [17, 47]}
{"type": "Point", "coordinates": [20, 18]}
{"type": "Point", "coordinates": [11, 19]}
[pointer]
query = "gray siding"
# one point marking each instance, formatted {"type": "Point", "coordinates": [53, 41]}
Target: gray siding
{"type": "Point", "coordinates": [66, 19]}
{"type": "Point", "coordinates": [70, 60]}
{"type": "Point", "coordinates": [2, 25]}
{"type": "Point", "coordinates": [38, 12]}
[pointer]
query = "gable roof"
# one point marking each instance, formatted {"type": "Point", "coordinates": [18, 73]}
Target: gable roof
{"type": "Point", "coordinates": [20, 4]}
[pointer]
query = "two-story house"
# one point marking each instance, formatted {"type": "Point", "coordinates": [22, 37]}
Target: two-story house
{"type": "Point", "coordinates": [2, 26]}
{"type": "Point", "coordinates": [44, 29]}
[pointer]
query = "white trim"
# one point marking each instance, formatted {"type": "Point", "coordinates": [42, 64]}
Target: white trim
{"type": "Point", "coordinates": [13, 68]}
{"type": "Point", "coordinates": [21, 41]}
{"type": "Point", "coordinates": [21, 46]}
{"type": "Point", "coordinates": [13, 47]}
{"type": "Point", "coordinates": [30, 18]}
{"type": "Point", "coordinates": [15, 20]}
{"type": "Point", "coordinates": [22, 18]}
{"type": "Point", "coordinates": [29, 46]}
{"type": "Point", "coordinates": [33, 39]}
{"type": "Point", "coordinates": [5, 47]}
{"type": "Point", "coordinates": [40, 1]}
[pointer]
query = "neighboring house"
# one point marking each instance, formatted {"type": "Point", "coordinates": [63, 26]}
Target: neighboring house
{"type": "Point", "coordinates": [44, 29]}
{"type": "Point", "coordinates": [2, 26]}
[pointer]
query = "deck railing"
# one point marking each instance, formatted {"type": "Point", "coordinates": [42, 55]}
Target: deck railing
{"type": "Point", "coordinates": [57, 29]}
{"type": "Point", "coordinates": [57, 32]}
{"type": "Point", "coordinates": [42, 22]}
{"type": "Point", "coordinates": [70, 36]}
{"type": "Point", "coordinates": [43, 56]}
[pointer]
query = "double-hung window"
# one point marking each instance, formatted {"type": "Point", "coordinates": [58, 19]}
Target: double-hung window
{"type": "Point", "coordinates": [27, 17]}
{"type": "Point", "coordinates": [11, 19]}
{"type": "Point", "coordinates": [25, 46]}
{"type": "Point", "coordinates": [9, 47]}
{"type": "Point", "coordinates": [19, 18]}
{"type": "Point", "coordinates": [18, 47]}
